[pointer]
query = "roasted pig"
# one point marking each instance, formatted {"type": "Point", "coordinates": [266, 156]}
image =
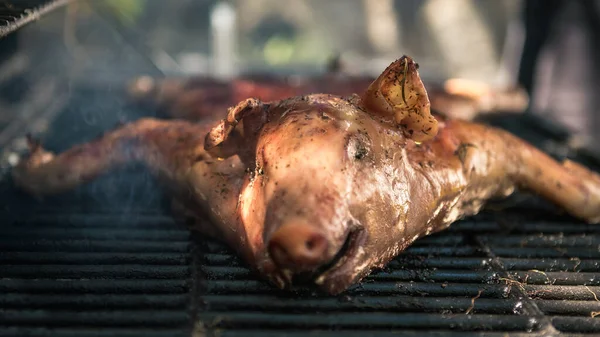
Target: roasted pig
{"type": "Point", "coordinates": [323, 189]}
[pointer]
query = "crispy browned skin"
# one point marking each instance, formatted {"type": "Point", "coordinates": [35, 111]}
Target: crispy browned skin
{"type": "Point", "coordinates": [324, 188]}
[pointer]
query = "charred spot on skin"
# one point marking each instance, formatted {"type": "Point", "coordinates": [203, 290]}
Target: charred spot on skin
{"type": "Point", "coordinates": [314, 131]}
{"type": "Point", "coordinates": [461, 151]}
{"type": "Point", "coordinates": [324, 116]}
{"type": "Point", "coordinates": [251, 173]}
{"type": "Point", "coordinates": [199, 157]}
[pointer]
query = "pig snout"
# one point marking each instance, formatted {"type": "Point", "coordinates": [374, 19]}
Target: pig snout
{"type": "Point", "coordinates": [298, 246]}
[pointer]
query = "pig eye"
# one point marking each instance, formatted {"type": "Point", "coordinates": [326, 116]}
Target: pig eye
{"type": "Point", "coordinates": [360, 152]}
{"type": "Point", "coordinates": [358, 147]}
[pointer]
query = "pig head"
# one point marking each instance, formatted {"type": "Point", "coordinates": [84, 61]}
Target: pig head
{"type": "Point", "coordinates": [328, 182]}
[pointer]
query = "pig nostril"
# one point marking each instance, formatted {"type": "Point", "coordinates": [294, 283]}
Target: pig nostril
{"type": "Point", "coordinates": [297, 247]}
{"type": "Point", "coordinates": [315, 244]}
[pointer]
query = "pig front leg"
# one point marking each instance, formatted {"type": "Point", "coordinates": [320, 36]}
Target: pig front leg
{"type": "Point", "coordinates": [172, 150]}
{"type": "Point", "coordinates": [569, 185]}
{"type": "Point", "coordinates": [164, 147]}
{"type": "Point", "coordinates": [490, 155]}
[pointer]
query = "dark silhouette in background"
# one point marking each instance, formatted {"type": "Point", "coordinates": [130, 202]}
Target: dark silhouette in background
{"type": "Point", "coordinates": [567, 32]}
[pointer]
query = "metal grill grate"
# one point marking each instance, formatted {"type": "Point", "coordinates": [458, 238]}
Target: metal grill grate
{"type": "Point", "coordinates": [15, 14]}
{"type": "Point", "coordinates": [94, 275]}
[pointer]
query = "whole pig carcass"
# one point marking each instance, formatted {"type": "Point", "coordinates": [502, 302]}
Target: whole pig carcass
{"type": "Point", "coordinates": [321, 188]}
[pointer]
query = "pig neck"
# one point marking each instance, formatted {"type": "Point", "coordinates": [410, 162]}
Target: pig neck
{"type": "Point", "coordinates": [450, 177]}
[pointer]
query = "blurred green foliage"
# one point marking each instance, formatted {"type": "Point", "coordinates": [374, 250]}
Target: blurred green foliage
{"type": "Point", "coordinates": [128, 11]}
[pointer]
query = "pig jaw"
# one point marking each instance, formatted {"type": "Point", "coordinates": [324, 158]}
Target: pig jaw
{"type": "Point", "coordinates": [383, 233]}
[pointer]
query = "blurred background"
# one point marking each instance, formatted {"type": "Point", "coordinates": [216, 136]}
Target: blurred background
{"type": "Point", "coordinates": [548, 47]}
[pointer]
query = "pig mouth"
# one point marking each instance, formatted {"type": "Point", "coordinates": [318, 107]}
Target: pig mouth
{"type": "Point", "coordinates": [341, 261]}
{"type": "Point", "coordinates": [347, 251]}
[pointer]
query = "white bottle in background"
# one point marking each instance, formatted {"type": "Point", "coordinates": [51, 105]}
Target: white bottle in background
{"type": "Point", "coordinates": [224, 41]}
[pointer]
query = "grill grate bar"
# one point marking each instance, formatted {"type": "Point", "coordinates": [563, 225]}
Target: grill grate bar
{"type": "Point", "coordinates": [240, 273]}
{"type": "Point", "coordinates": [110, 332]}
{"type": "Point", "coordinates": [519, 224]}
{"type": "Point", "coordinates": [215, 261]}
{"type": "Point", "coordinates": [543, 241]}
{"type": "Point", "coordinates": [359, 303]}
{"type": "Point", "coordinates": [113, 246]}
{"type": "Point", "coordinates": [370, 332]}
{"type": "Point", "coordinates": [428, 275]}
{"type": "Point", "coordinates": [463, 251]}
{"type": "Point", "coordinates": [425, 261]}
{"type": "Point", "coordinates": [91, 286]}
{"type": "Point", "coordinates": [570, 308]}
{"type": "Point", "coordinates": [84, 258]}
{"type": "Point", "coordinates": [543, 252]}
{"type": "Point", "coordinates": [93, 301]}
{"type": "Point", "coordinates": [373, 320]}
{"type": "Point", "coordinates": [557, 278]}
{"type": "Point", "coordinates": [100, 318]}
{"type": "Point", "coordinates": [97, 221]}
{"type": "Point", "coordinates": [576, 324]}
{"type": "Point", "coordinates": [549, 292]}
{"type": "Point", "coordinates": [380, 288]}
{"type": "Point", "coordinates": [55, 233]}
{"type": "Point", "coordinates": [97, 272]}
{"type": "Point", "coordinates": [565, 264]}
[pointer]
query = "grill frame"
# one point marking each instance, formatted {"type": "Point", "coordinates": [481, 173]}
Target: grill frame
{"type": "Point", "coordinates": [15, 18]}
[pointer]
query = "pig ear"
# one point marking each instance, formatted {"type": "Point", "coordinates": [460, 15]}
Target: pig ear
{"type": "Point", "coordinates": [398, 98]}
{"type": "Point", "coordinates": [225, 140]}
